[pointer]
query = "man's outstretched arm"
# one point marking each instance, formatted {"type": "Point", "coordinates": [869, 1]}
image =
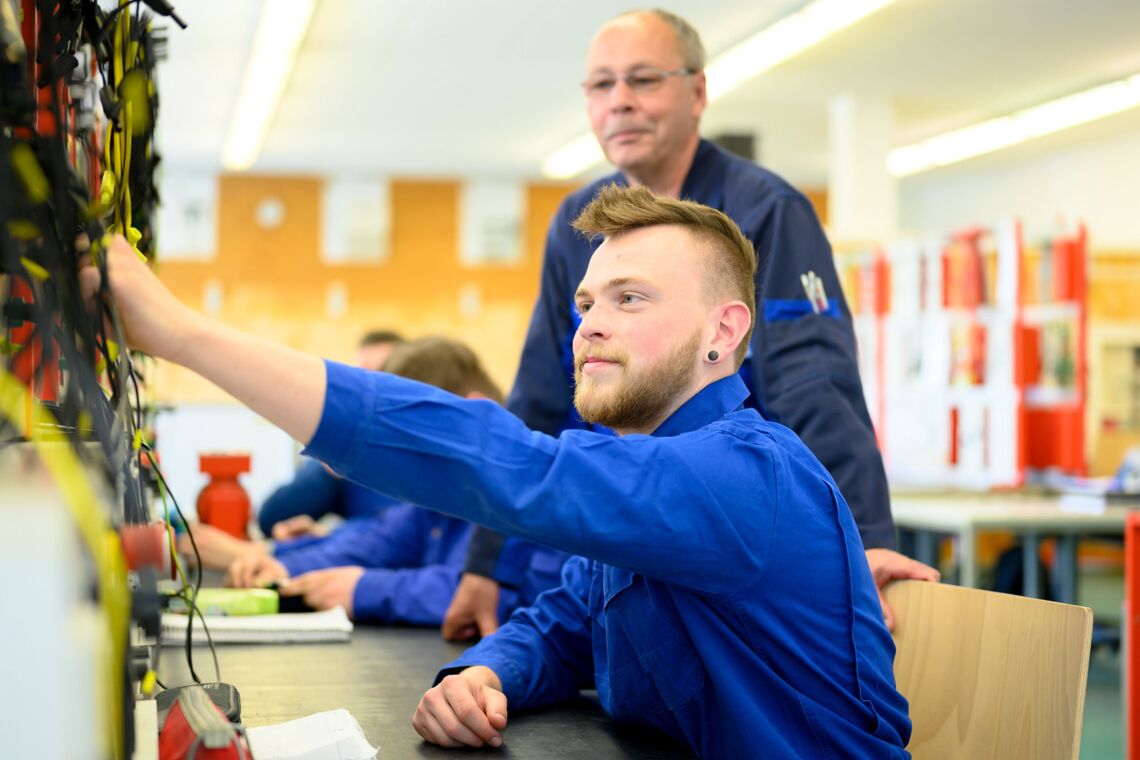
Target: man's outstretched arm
{"type": "Point", "coordinates": [542, 399]}
{"type": "Point", "coordinates": [284, 385]}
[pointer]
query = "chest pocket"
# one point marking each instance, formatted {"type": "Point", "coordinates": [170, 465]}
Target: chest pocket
{"type": "Point", "coordinates": [651, 665]}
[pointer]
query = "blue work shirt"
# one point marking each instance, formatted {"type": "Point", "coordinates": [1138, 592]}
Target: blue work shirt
{"type": "Point", "coordinates": [316, 493]}
{"type": "Point", "coordinates": [802, 367]}
{"type": "Point", "coordinates": [726, 599]}
{"type": "Point", "coordinates": [412, 560]}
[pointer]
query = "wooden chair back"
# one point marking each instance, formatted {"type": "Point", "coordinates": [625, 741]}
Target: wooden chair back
{"type": "Point", "coordinates": [990, 675]}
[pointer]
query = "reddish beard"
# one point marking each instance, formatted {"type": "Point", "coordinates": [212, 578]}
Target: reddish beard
{"type": "Point", "coordinates": [636, 400]}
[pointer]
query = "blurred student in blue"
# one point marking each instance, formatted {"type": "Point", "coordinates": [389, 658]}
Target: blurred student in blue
{"type": "Point", "coordinates": [721, 593]}
{"type": "Point", "coordinates": [294, 509]}
{"type": "Point", "coordinates": [402, 565]}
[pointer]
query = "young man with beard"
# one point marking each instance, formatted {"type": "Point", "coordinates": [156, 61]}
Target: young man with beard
{"type": "Point", "coordinates": [645, 93]}
{"type": "Point", "coordinates": [721, 593]}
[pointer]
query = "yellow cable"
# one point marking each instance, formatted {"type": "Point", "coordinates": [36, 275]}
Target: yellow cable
{"type": "Point", "coordinates": [170, 531]}
{"type": "Point", "coordinates": [120, 42]}
{"type": "Point", "coordinates": [54, 450]}
{"type": "Point", "coordinates": [115, 190]}
{"type": "Point", "coordinates": [150, 680]}
{"type": "Point", "coordinates": [128, 113]}
{"type": "Point", "coordinates": [34, 269]}
{"type": "Point", "coordinates": [31, 175]}
{"type": "Point", "coordinates": [123, 180]}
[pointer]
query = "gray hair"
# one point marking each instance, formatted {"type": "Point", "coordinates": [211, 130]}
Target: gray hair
{"type": "Point", "coordinates": [688, 41]}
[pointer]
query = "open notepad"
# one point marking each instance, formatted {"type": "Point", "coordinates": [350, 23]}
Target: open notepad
{"type": "Point", "coordinates": [306, 627]}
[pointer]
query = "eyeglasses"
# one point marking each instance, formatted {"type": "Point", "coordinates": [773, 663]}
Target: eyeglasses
{"type": "Point", "coordinates": [641, 80]}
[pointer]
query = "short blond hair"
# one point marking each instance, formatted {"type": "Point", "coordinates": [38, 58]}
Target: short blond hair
{"type": "Point", "coordinates": [731, 266]}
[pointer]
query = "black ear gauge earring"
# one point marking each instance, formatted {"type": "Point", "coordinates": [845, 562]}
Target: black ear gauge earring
{"type": "Point", "coordinates": [713, 356]}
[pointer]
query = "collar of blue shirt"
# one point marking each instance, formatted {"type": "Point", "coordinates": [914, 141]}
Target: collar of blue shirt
{"type": "Point", "coordinates": [710, 404]}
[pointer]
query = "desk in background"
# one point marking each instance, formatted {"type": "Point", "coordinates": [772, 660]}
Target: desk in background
{"type": "Point", "coordinates": [379, 676]}
{"type": "Point", "coordinates": [1033, 518]}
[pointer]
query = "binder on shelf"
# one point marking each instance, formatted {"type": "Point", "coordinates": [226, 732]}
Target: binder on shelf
{"type": "Point", "coordinates": [972, 351]}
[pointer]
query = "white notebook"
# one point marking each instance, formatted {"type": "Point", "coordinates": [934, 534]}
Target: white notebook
{"type": "Point", "coordinates": [297, 627]}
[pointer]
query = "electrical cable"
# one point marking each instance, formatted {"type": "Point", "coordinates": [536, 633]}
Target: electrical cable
{"type": "Point", "coordinates": [192, 591]}
{"type": "Point", "coordinates": [77, 355]}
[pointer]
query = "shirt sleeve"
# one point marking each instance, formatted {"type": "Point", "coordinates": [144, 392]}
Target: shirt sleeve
{"type": "Point", "coordinates": [696, 509]}
{"type": "Point", "coordinates": [312, 492]}
{"type": "Point", "coordinates": [511, 563]}
{"type": "Point", "coordinates": [412, 596]}
{"type": "Point", "coordinates": [392, 539]}
{"type": "Point", "coordinates": [806, 368]}
{"type": "Point", "coordinates": [540, 396]}
{"type": "Point", "coordinates": [483, 553]}
{"type": "Point", "coordinates": [544, 652]}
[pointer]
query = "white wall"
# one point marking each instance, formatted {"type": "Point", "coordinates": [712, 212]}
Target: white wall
{"type": "Point", "coordinates": [190, 429]}
{"type": "Point", "coordinates": [1091, 173]}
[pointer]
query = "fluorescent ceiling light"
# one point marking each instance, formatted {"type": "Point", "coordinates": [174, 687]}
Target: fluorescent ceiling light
{"type": "Point", "coordinates": [574, 157]}
{"type": "Point", "coordinates": [764, 50]}
{"type": "Point", "coordinates": [279, 34]}
{"type": "Point", "coordinates": [995, 134]}
{"type": "Point", "coordinates": [784, 39]}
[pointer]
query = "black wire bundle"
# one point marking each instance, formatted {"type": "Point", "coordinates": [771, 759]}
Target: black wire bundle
{"type": "Point", "coordinates": [189, 596]}
{"type": "Point", "coordinates": [136, 51]}
{"type": "Point", "coordinates": [49, 220]}
{"type": "Point", "coordinates": [44, 217]}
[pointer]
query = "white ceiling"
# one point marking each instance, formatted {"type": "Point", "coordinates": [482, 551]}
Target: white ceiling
{"type": "Point", "coordinates": [453, 88]}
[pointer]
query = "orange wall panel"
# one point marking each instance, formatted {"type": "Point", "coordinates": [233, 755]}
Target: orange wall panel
{"type": "Point", "coordinates": [1114, 281]}
{"type": "Point", "coordinates": [818, 198]}
{"type": "Point", "coordinates": [274, 283]}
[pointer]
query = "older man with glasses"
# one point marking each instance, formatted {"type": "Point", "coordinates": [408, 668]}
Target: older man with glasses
{"type": "Point", "coordinates": [645, 93]}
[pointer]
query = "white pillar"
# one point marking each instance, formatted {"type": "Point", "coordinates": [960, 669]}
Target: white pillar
{"type": "Point", "coordinates": [862, 196]}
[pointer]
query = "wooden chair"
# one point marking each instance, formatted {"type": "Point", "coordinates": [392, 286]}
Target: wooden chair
{"type": "Point", "coordinates": [990, 675]}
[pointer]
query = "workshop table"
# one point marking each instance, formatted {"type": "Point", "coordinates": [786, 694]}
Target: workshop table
{"type": "Point", "coordinates": [379, 676]}
{"type": "Point", "coordinates": [1032, 518]}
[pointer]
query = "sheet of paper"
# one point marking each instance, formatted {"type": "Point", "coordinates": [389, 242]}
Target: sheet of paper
{"type": "Point", "coordinates": [332, 735]}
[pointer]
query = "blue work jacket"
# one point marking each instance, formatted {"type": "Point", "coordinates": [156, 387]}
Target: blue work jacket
{"type": "Point", "coordinates": [726, 599]}
{"type": "Point", "coordinates": [316, 493]}
{"type": "Point", "coordinates": [412, 560]}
